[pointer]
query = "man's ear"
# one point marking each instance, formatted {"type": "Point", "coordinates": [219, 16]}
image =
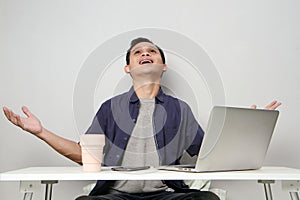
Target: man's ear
{"type": "Point", "coordinates": [127, 69]}
{"type": "Point", "coordinates": [165, 67]}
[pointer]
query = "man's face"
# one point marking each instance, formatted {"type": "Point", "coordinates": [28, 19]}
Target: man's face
{"type": "Point", "coordinates": [144, 53]}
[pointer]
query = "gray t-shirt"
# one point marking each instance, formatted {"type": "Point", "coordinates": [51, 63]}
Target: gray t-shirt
{"type": "Point", "coordinates": [141, 151]}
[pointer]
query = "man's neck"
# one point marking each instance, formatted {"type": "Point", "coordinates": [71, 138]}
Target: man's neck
{"type": "Point", "coordinates": [148, 91]}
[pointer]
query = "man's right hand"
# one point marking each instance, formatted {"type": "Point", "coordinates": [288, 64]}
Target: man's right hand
{"type": "Point", "coordinates": [30, 123]}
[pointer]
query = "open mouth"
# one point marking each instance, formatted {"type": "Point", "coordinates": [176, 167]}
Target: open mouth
{"type": "Point", "coordinates": [146, 61]}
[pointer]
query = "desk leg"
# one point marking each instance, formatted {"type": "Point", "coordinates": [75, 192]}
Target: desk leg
{"type": "Point", "coordinates": [267, 187]}
{"type": "Point", "coordinates": [28, 196]}
{"type": "Point", "coordinates": [294, 195]}
{"type": "Point", "coordinates": [29, 188]}
{"type": "Point", "coordinates": [48, 192]}
{"type": "Point", "coordinates": [293, 187]}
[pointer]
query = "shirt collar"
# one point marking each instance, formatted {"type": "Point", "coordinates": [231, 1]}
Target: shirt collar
{"type": "Point", "coordinates": [134, 98]}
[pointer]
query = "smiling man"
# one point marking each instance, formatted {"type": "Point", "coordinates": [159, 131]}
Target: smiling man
{"type": "Point", "coordinates": [142, 127]}
{"type": "Point", "coordinates": [146, 127]}
{"type": "Point", "coordinates": [145, 64]}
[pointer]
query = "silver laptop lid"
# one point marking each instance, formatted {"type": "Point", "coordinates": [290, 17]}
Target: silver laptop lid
{"type": "Point", "coordinates": [236, 139]}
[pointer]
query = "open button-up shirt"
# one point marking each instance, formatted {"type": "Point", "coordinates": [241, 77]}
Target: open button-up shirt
{"type": "Point", "coordinates": [175, 130]}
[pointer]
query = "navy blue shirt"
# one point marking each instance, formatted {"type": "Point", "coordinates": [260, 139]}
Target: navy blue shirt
{"type": "Point", "coordinates": [175, 130]}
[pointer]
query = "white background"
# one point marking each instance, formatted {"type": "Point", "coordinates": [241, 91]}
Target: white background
{"type": "Point", "coordinates": [254, 45]}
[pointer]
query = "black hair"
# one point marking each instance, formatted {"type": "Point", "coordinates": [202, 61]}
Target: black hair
{"type": "Point", "coordinates": [139, 40]}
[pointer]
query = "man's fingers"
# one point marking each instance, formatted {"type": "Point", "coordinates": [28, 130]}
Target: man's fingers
{"type": "Point", "coordinates": [6, 112]}
{"type": "Point", "coordinates": [276, 105]}
{"type": "Point", "coordinates": [273, 105]}
{"type": "Point", "coordinates": [13, 117]}
{"type": "Point", "coordinates": [26, 111]}
{"type": "Point", "coordinates": [19, 121]}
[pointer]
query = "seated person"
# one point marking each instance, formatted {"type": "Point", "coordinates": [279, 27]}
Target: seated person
{"type": "Point", "coordinates": [143, 127]}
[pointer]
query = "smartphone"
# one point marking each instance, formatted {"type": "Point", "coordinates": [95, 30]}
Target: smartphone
{"type": "Point", "coordinates": [129, 168]}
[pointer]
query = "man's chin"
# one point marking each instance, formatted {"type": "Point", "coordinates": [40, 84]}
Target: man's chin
{"type": "Point", "coordinates": [147, 68]}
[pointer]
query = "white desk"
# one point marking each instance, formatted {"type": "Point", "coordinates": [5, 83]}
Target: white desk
{"type": "Point", "coordinates": [290, 177]}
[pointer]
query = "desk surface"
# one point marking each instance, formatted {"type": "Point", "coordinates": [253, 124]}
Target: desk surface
{"type": "Point", "coordinates": [76, 173]}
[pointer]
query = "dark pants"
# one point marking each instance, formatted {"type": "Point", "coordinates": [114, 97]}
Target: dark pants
{"type": "Point", "coordinates": [201, 195]}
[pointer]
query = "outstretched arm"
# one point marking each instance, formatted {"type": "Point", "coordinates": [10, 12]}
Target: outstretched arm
{"type": "Point", "coordinates": [32, 124]}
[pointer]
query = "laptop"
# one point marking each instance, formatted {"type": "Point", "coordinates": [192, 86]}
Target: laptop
{"type": "Point", "coordinates": [236, 139]}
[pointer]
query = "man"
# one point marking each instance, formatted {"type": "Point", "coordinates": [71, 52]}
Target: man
{"type": "Point", "coordinates": [143, 127]}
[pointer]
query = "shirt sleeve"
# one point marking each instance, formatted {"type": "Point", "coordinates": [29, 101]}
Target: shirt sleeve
{"type": "Point", "coordinates": [99, 122]}
{"type": "Point", "coordinates": [193, 132]}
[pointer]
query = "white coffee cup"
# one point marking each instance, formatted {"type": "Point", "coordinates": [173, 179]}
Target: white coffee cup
{"type": "Point", "coordinates": [92, 151]}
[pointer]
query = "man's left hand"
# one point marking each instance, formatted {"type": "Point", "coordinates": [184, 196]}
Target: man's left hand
{"type": "Point", "coordinates": [271, 106]}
